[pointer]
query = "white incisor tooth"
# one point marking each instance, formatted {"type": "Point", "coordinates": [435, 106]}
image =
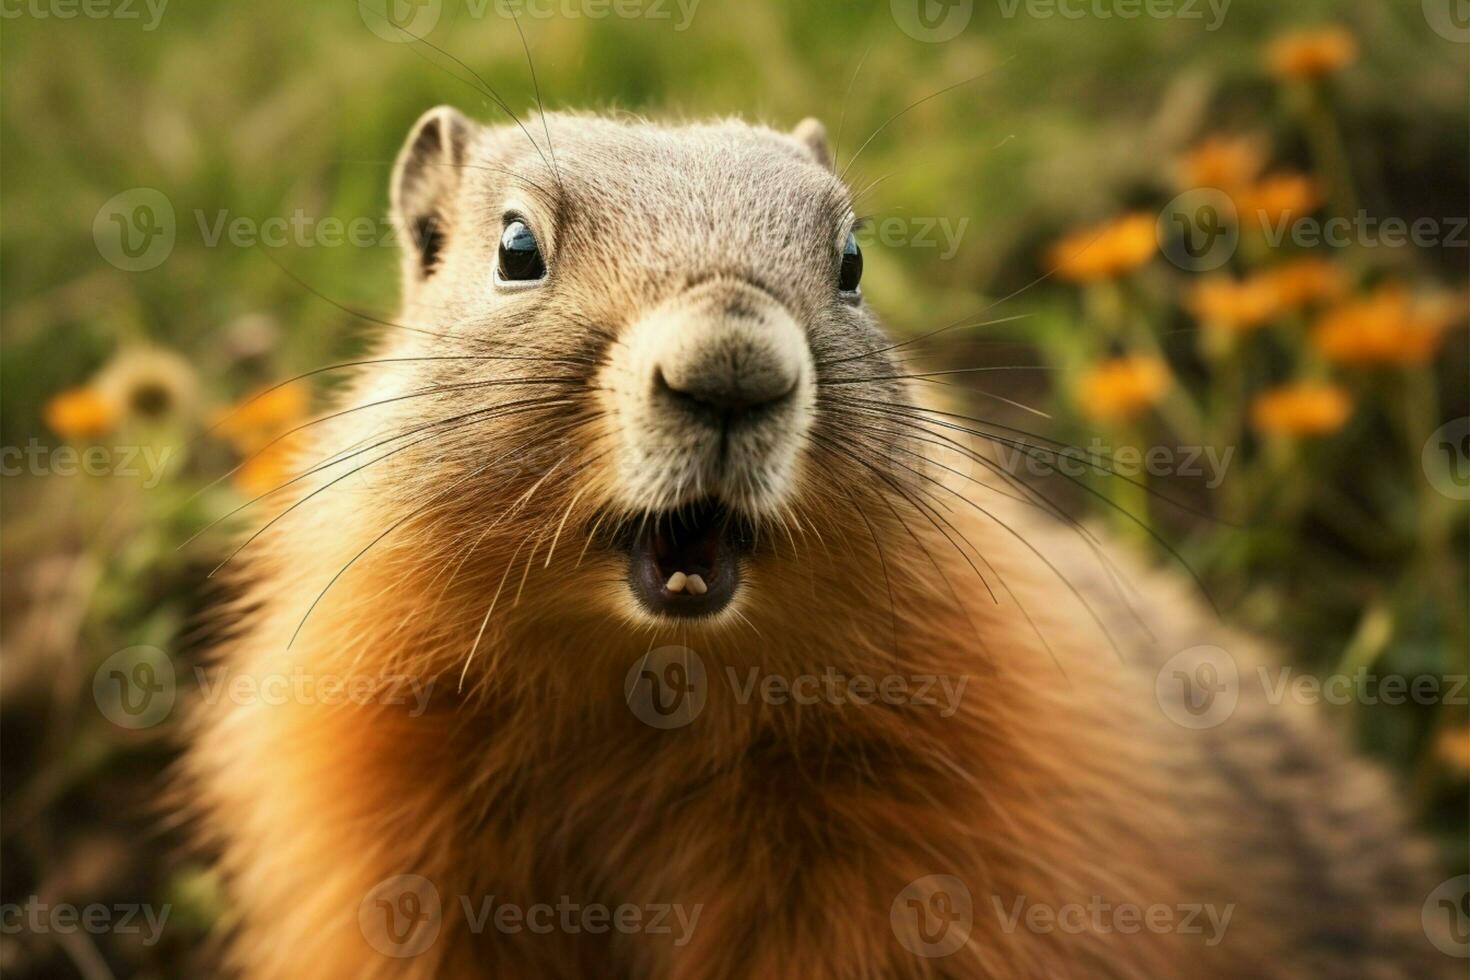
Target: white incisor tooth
{"type": "Point", "coordinates": [696, 584]}
{"type": "Point", "coordinates": [678, 580]}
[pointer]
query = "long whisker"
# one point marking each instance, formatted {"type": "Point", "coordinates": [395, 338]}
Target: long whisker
{"type": "Point", "coordinates": [484, 89]}
{"type": "Point", "coordinates": [959, 324]}
{"type": "Point", "coordinates": [914, 105]}
{"type": "Point", "coordinates": [540, 106]}
{"type": "Point", "coordinates": [488, 613]}
{"type": "Point", "coordinates": [343, 365]}
{"type": "Point", "coordinates": [1021, 606]}
{"type": "Point", "coordinates": [1027, 448]}
{"type": "Point", "coordinates": [939, 374]}
{"type": "Point", "coordinates": [930, 513]}
{"type": "Point", "coordinates": [350, 311]}
{"type": "Point", "coordinates": [846, 99]}
{"type": "Point", "coordinates": [421, 393]}
{"type": "Point", "coordinates": [442, 495]}
{"type": "Point", "coordinates": [1034, 551]}
{"type": "Point", "coordinates": [338, 457]}
{"type": "Point", "coordinates": [1040, 448]}
{"type": "Point", "coordinates": [1025, 494]}
{"type": "Point", "coordinates": [496, 412]}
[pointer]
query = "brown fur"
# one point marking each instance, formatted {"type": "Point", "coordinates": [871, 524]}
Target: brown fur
{"type": "Point", "coordinates": [794, 827]}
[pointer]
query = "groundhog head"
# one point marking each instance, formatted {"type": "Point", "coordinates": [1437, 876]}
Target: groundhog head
{"type": "Point", "coordinates": [647, 352]}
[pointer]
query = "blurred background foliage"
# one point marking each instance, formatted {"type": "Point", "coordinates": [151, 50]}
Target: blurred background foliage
{"type": "Point", "coordinates": [1324, 370]}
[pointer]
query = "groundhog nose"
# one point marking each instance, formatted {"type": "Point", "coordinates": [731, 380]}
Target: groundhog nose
{"type": "Point", "coordinates": [728, 377]}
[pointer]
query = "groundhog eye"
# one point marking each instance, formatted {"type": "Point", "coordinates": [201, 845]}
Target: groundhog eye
{"type": "Point", "coordinates": [520, 256]}
{"type": "Point", "coordinates": [852, 266]}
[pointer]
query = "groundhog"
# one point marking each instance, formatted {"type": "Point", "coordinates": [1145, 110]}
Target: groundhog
{"type": "Point", "coordinates": [643, 616]}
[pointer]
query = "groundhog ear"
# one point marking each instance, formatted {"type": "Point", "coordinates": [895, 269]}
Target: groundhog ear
{"type": "Point", "coordinates": [813, 135]}
{"type": "Point", "coordinates": [425, 179]}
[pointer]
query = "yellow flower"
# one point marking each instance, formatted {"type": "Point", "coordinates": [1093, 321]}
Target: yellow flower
{"type": "Point", "coordinates": [268, 467]}
{"type": "Point", "coordinates": [1225, 162]}
{"type": "Point", "coordinates": [149, 383]}
{"type": "Point", "coordinates": [1122, 387]}
{"type": "Point", "coordinates": [1105, 250]}
{"type": "Point", "coordinates": [1298, 282]}
{"type": "Point", "coordinates": [1311, 53]}
{"type": "Point", "coordinates": [78, 413]}
{"type": "Point", "coordinates": [1276, 196]}
{"type": "Point", "coordinates": [262, 415]}
{"type": "Point", "coordinates": [1234, 304]}
{"type": "Point", "coordinates": [1388, 326]}
{"type": "Point", "coordinates": [1305, 408]}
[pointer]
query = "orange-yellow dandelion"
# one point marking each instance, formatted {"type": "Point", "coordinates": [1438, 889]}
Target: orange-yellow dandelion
{"type": "Point", "coordinates": [1298, 282]}
{"type": "Point", "coordinates": [1276, 197]}
{"type": "Point", "coordinates": [1304, 408]}
{"type": "Point", "coordinates": [1106, 250]}
{"type": "Point", "coordinates": [1122, 387]}
{"type": "Point", "coordinates": [1225, 162]}
{"type": "Point", "coordinates": [1311, 53]}
{"type": "Point", "coordinates": [79, 413]}
{"type": "Point", "coordinates": [264, 414]}
{"type": "Point", "coordinates": [269, 467]}
{"type": "Point", "coordinates": [1387, 326]}
{"type": "Point", "coordinates": [1224, 302]}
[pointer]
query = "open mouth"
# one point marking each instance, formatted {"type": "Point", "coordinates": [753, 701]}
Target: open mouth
{"type": "Point", "coordinates": [687, 562]}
